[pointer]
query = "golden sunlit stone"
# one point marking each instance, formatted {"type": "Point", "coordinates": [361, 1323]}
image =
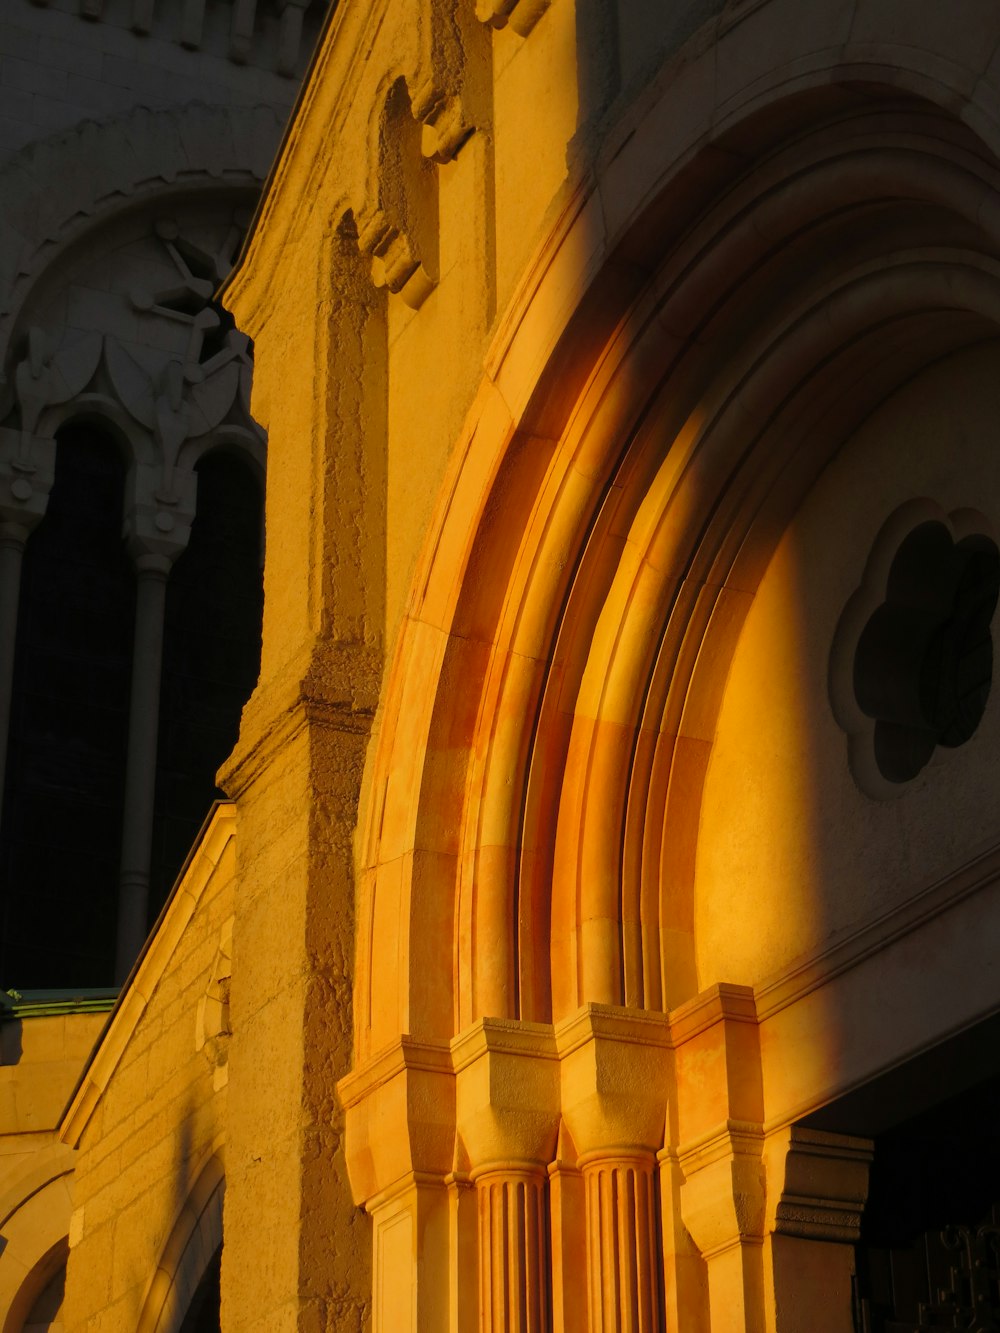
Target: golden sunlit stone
{"type": "Point", "coordinates": [533, 974]}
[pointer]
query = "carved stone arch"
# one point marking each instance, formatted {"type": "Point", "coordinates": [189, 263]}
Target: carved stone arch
{"type": "Point", "coordinates": [104, 167]}
{"type": "Point", "coordinates": [553, 585]}
{"type": "Point", "coordinates": [155, 356]}
{"type": "Point", "coordinates": [34, 1226]}
{"type": "Point", "coordinates": [109, 312]}
{"type": "Point", "coordinates": [194, 1240]}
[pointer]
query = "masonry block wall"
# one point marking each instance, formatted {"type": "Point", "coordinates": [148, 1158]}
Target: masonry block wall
{"type": "Point", "coordinates": [149, 1120]}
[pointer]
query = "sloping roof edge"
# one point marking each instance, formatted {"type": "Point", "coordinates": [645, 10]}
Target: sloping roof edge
{"type": "Point", "coordinates": [216, 834]}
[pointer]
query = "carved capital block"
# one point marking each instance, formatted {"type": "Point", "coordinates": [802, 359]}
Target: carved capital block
{"type": "Point", "coordinates": [507, 1093]}
{"type": "Point", "coordinates": [616, 1073]}
{"type": "Point", "coordinates": [400, 1119]}
{"type": "Point", "coordinates": [27, 470]}
{"type": "Point", "coordinates": [722, 1198]}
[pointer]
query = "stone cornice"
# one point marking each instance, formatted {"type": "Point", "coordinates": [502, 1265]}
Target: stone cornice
{"type": "Point", "coordinates": [426, 1056]}
{"type": "Point", "coordinates": [871, 938]}
{"type": "Point", "coordinates": [138, 990]}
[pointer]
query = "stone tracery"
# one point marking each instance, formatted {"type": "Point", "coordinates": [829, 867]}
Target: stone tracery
{"type": "Point", "coordinates": [171, 380]}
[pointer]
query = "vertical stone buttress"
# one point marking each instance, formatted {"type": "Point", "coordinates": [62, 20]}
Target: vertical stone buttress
{"type": "Point", "coordinates": [296, 776]}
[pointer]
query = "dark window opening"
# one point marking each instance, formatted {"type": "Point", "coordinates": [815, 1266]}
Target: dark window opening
{"type": "Point", "coordinates": [929, 1255]}
{"type": "Point", "coordinates": [204, 1312]}
{"type": "Point", "coordinates": [61, 828]}
{"type": "Point", "coordinates": [211, 658]}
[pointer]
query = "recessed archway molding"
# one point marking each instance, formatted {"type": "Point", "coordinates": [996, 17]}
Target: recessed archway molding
{"type": "Point", "coordinates": [658, 503]}
{"type": "Point", "coordinates": [659, 400]}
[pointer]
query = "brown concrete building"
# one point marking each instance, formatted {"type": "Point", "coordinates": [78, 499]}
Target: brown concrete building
{"type": "Point", "coordinates": [602, 929]}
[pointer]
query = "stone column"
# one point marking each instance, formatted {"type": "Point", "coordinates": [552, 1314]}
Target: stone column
{"type": "Point", "coordinates": [24, 497]}
{"type": "Point", "coordinates": [157, 527]}
{"type": "Point", "coordinates": [507, 1098]}
{"type": "Point", "coordinates": [621, 1231]}
{"type": "Point", "coordinates": [140, 764]}
{"type": "Point", "coordinates": [12, 541]}
{"type": "Point", "coordinates": [513, 1273]}
{"type": "Point", "coordinates": [615, 1080]}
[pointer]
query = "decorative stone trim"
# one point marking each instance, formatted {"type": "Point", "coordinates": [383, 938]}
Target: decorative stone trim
{"type": "Point", "coordinates": [588, 1104]}
{"type": "Point", "coordinates": [912, 658]}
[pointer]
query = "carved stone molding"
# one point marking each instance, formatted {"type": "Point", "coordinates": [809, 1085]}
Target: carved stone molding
{"type": "Point", "coordinates": [142, 158]}
{"type": "Point", "coordinates": [165, 369]}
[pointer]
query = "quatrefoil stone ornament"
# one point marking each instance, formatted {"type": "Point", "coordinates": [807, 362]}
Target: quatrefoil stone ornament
{"type": "Point", "coordinates": [912, 664]}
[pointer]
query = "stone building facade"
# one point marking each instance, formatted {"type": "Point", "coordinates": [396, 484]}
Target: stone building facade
{"type": "Point", "coordinates": [134, 141]}
{"type": "Point", "coordinates": [601, 932]}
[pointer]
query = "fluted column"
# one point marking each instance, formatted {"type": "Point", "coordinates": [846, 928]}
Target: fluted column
{"type": "Point", "coordinates": [615, 1072]}
{"type": "Point", "coordinates": [621, 1230]}
{"type": "Point", "coordinates": [513, 1270]}
{"type": "Point", "coordinates": [507, 1101]}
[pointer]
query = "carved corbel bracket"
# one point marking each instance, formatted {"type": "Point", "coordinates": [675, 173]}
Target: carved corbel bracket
{"type": "Point", "coordinates": [27, 470]}
{"type": "Point", "coordinates": [158, 518]}
{"type": "Point", "coordinates": [817, 1184]}
{"type": "Point", "coordinates": [400, 1119]}
{"type": "Point", "coordinates": [522, 15]}
{"type": "Point", "coordinates": [212, 1030]}
{"type": "Point", "coordinates": [393, 262]}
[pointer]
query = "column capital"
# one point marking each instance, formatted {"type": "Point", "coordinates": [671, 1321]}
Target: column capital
{"type": "Point", "coordinates": [507, 1094]}
{"type": "Point", "coordinates": [27, 470]}
{"type": "Point", "coordinates": [616, 1072]}
{"type": "Point", "coordinates": [400, 1119]}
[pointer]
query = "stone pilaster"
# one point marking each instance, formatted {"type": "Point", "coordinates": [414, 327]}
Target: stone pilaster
{"type": "Point", "coordinates": [401, 1151]}
{"type": "Point", "coordinates": [817, 1184]}
{"type": "Point", "coordinates": [296, 788]}
{"type": "Point", "coordinates": [719, 1115]}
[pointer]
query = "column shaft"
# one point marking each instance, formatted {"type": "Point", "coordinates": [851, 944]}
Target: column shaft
{"type": "Point", "coordinates": [621, 1248]}
{"type": "Point", "coordinates": [512, 1268]}
{"type": "Point", "coordinates": [140, 766]}
{"type": "Point", "coordinates": [11, 553]}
